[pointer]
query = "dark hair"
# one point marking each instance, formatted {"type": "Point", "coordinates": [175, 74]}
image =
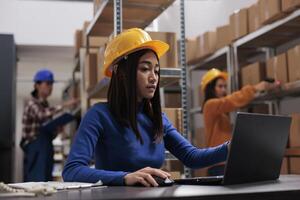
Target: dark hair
{"type": "Point", "coordinates": [209, 92]}
{"type": "Point", "coordinates": [122, 97]}
{"type": "Point", "coordinates": [34, 93]}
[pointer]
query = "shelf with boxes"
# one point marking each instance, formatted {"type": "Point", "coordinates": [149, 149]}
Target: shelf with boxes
{"type": "Point", "coordinates": [135, 13]}
{"type": "Point", "coordinates": [264, 42]}
{"type": "Point", "coordinates": [94, 85]}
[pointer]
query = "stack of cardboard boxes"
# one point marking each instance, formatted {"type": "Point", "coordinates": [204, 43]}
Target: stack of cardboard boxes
{"type": "Point", "coordinates": [294, 142]}
{"type": "Point", "coordinates": [242, 22]}
{"type": "Point", "coordinates": [252, 74]}
{"type": "Point", "coordinates": [284, 68]}
{"type": "Point", "coordinates": [169, 60]}
{"type": "Point", "coordinates": [293, 57]}
{"type": "Point", "coordinates": [239, 24]}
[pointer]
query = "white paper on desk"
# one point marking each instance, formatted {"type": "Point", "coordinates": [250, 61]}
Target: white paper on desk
{"type": "Point", "coordinates": [54, 184]}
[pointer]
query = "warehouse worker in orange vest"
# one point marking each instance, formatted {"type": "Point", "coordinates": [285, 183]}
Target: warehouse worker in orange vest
{"type": "Point", "coordinates": [217, 105]}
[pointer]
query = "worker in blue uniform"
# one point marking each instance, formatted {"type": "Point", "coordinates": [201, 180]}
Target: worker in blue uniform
{"type": "Point", "coordinates": [37, 143]}
{"type": "Point", "coordinates": [128, 135]}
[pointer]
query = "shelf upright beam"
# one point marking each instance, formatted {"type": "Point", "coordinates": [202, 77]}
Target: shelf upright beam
{"type": "Point", "coordinates": [184, 77]}
{"type": "Point", "coordinates": [117, 17]}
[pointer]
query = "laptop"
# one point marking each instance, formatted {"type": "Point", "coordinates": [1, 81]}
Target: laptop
{"type": "Point", "coordinates": [257, 149]}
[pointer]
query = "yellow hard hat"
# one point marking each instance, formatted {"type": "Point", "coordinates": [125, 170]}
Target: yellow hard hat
{"type": "Point", "coordinates": [212, 75]}
{"type": "Point", "coordinates": [127, 42]}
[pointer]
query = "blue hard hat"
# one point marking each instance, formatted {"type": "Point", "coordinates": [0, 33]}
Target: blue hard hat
{"type": "Point", "coordinates": [44, 75]}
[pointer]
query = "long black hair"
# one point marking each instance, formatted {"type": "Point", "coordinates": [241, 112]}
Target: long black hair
{"type": "Point", "coordinates": [122, 96]}
{"type": "Point", "coordinates": [210, 92]}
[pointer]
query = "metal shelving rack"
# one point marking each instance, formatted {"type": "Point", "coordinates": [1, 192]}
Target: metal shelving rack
{"type": "Point", "coordinates": [111, 19]}
{"type": "Point", "coordinates": [269, 40]}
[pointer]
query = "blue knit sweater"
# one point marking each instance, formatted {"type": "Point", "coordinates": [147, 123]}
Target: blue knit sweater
{"type": "Point", "coordinates": [116, 151]}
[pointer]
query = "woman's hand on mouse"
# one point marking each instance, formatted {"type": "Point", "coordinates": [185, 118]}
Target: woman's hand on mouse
{"type": "Point", "coordinates": [144, 177]}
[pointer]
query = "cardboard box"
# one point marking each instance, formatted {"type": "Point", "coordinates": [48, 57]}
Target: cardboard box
{"type": "Point", "coordinates": [284, 166]}
{"type": "Point", "coordinates": [206, 44]}
{"type": "Point", "coordinates": [290, 5]}
{"type": "Point", "coordinates": [173, 165]}
{"type": "Point", "coordinates": [199, 138]}
{"type": "Point", "coordinates": [97, 41]}
{"type": "Point", "coordinates": [254, 21]}
{"type": "Point", "coordinates": [172, 100]}
{"type": "Point", "coordinates": [223, 36]}
{"type": "Point", "coordinates": [260, 108]}
{"type": "Point", "coordinates": [191, 49]}
{"type": "Point", "coordinates": [169, 60]}
{"type": "Point", "coordinates": [270, 10]}
{"type": "Point", "coordinates": [97, 4]}
{"type": "Point", "coordinates": [252, 74]}
{"type": "Point", "coordinates": [77, 41]}
{"type": "Point", "coordinates": [74, 90]}
{"type": "Point", "coordinates": [100, 63]}
{"type": "Point", "coordinates": [277, 68]}
{"type": "Point", "coordinates": [294, 140]}
{"type": "Point", "coordinates": [90, 71]}
{"type": "Point", "coordinates": [295, 165]}
{"type": "Point", "coordinates": [175, 116]}
{"type": "Point", "coordinates": [239, 24]}
{"type": "Point", "coordinates": [175, 175]}
{"type": "Point", "coordinates": [294, 64]}
{"type": "Point", "coordinates": [200, 172]}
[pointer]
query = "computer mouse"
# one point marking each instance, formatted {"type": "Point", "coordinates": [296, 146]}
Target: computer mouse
{"type": "Point", "coordinates": [160, 181]}
{"type": "Point", "coordinates": [163, 182]}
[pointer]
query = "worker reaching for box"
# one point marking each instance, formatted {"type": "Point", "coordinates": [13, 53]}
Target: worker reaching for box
{"type": "Point", "coordinates": [217, 105]}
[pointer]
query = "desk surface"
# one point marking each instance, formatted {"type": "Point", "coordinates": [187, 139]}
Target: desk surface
{"type": "Point", "coordinates": [287, 187]}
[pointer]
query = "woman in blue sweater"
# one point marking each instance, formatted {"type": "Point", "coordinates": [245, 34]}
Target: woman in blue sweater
{"type": "Point", "coordinates": [128, 135]}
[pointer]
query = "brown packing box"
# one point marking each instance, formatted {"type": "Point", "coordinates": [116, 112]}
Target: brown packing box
{"type": "Point", "coordinates": [170, 58]}
{"type": "Point", "coordinates": [276, 68]}
{"type": "Point", "coordinates": [239, 24]}
{"type": "Point", "coordinates": [206, 44]}
{"type": "Point", "coordinates": [191, 49]}
{"type": "Point", "coordinates": [199, 138]}
{"type": "Point", "coordinates": [97, 4]}
{"type": "Point", "coordinates": [200, 172]}
{"type": "Point", "coordinates": [77, 41]}
{"type": "Point", "coordinates": [295, 165]}
{"type": "Point", "coordinates": [75, 90]}
{"type": "Point", "coordinates": [270, 10]}
{"type": "Point", "coordinates": [252, 74]}
{"type": "Point", "coordinates": [175, 175]}
{"type": "Point", "coordinates": [172, 100]}
{"type": "Point", "coordinates": [294, 140]}
{"type": "Point", "coordinates": [90, 71]}
{"type": "Point", "coordinates": [173, 165]}
{"type": "Point", "coordinates": [254, 21]}
{"type": "Point", "coordinates": [97, 41]}
{"type": "Point", "coordinates": [284, 166]}
{"type": "Point", "coordinates": [223, 36]}
{"type": "Point", "coordinates": [290, 5]}
{"type": "Point", "coordinates": [100, 63]}
{"type": "Point", "coordinates": [175, 116]}
{"type": "Point", "coordinates": [260, 108]}
{"type": "Point", "coordinates": [294, 63]}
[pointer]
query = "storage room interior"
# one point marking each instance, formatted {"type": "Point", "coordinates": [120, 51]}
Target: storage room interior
{"type": "Point", "coordinates": [249, 39]}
